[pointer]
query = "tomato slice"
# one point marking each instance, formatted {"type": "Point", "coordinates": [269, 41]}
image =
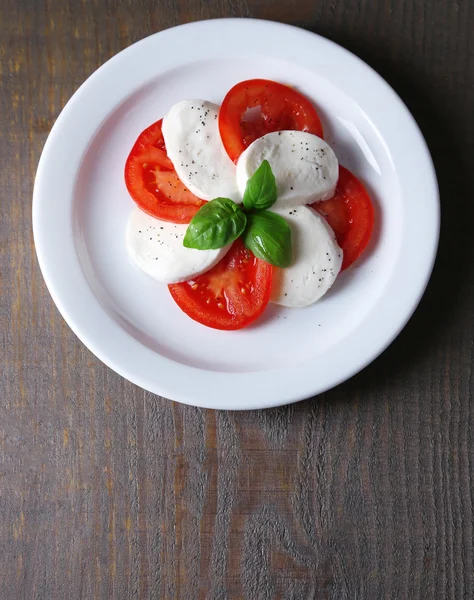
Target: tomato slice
{"type": "Point", "coordinates": [153, 183]}
{"type": "Point", "coordinates": [350, 214]}
{"type": "Point", "coordinates": [258, 106]}
{"type": "Point", "coordinates": [230, 295]}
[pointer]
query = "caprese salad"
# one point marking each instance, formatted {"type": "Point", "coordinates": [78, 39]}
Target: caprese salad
{"type": "Point", "coordinates": [243, 204]}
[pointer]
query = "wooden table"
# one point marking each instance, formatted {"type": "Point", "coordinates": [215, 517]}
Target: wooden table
{"type": "Point", "coordinates": [365, 492]}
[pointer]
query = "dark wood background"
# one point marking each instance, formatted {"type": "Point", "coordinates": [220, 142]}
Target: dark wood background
{"type": "Point", "coordinates": [365, 492]}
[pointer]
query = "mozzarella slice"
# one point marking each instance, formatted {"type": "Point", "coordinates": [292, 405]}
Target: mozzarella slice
{"type": "Point", "coordinates": [156, 247]}
{"type": "Point", "coordinates": [317, 259]}
{"type": "Point", "coordinates": [194, 146]}
{"type": "Point", "coordinates": [305, 167]}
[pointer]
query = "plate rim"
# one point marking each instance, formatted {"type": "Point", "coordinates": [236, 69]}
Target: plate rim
{"type": "Point", "coordinates": [207, 400]}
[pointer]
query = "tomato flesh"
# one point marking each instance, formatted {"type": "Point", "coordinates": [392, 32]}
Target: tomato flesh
{"type": "Point", "coordinates": [231, 295]}
{"type": "Point", "coordinates": [350, 214]}
{"type": "Point", "coordinates": [256, 107]}
{"type": "Point", "coordinates": [153, 183]}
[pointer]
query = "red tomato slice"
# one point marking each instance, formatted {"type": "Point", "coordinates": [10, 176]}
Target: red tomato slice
{"type": "Point", "coordinates": [230, 295]}
{"type": "Point", "coordinates": [153, 183]}
{"type": "Point", "coordinates": [350, 214]}
{"type": "Point", "coordinates": [258, 106]}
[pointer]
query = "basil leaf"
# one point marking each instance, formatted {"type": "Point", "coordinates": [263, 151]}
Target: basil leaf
{"type": "Point", "coordinates": [261, 189]}
{"type": "Point", "coordinates": [268, 236]}
{"type": "Point", "coordinates": [216, 224]}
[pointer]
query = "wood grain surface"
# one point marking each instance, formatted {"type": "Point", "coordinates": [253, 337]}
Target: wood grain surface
{"type": "Point", "coordinates": [107, 492]}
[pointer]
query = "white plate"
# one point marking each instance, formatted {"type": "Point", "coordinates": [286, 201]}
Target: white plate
{"type": "Point", "coordinates": [130, 322]}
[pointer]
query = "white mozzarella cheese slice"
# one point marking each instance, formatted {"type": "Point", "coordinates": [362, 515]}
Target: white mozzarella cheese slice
{"type": "Point", "coordinates": [194, 146]}
{"type": "Point", "coordinates": [305, 167]}
{"type": "Point", "coordinates": [156, 247]}
{"type": "Point", "coordinates": [317, 259]}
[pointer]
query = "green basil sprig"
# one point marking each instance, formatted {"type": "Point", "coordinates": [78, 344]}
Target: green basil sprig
{"type": "Point", "coordinates": [216, 224]}
{"type": "Point", "coordinates": [221, 221]}
{"type": "Point", "coordinates": [261, 189]}
{"type": "Point", "coordinates": [268, 236]}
